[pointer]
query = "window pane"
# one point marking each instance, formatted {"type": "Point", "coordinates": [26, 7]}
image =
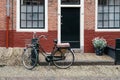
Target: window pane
{"type": "Point", "coordinates": [29, 16]}
{"type": "Point", "coordinates": [29, 8]}
{"type": "Point", "coordinates": [117, 17]}
{"type": "Point", "coordinates": [117, 2]}
{"type": "Point", "coordinates": [111, 23]}
{"type": "Point", "coordinates": [35, 16]}
{"type": "Point", "coordinates": [23, 8]}
{"type": "Point", "coordinates": [111, 16]}
{"type": "Point", "coordinates": [70, 1]}
{"type": "Point", "coordinates": [111, 2]}
{"type": "Point", "coordinates": [35, 8]}
{"type": "Point", "coordinates": [33, 2]}
{"type": "Point", "coordinates": [105, 23]}
{"type": "Point", "coordinates": [41, 9]}
{"type": "Point", "coordinates": [105, 9]}
{"type": "Point", "coordinates": [41, 23]}
{"type": "Point", "coordinates": [111, 8]}
{"type": "Point", "coordinates": [100, 9]}
{"type": "Point", "coordinates": [99, 23]}
{"type": "Point", "coordinates": [29, 24]}
{"type": "Point", "coordinates": [105, 16]}
{"type": "Point", "coordinates": [117, 8]}
{"type": "Point", "coordinates": [102, 2]}
{"type": "Point", "coordinates": [23, 16]}
{"type": "Point", "coordinates": [117, 24]}
{"type": "Point", "coordinates": [23, 24]}
{"type": "Point", "coordinates": [41, 16]}
{"type": "Point", "coordinates": [100, 17]}
{"type": "Point", "coordinates": [35, 24]}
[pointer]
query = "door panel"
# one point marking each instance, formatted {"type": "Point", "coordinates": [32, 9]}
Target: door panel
{"type": "Point", "coordinates": [70, 26]}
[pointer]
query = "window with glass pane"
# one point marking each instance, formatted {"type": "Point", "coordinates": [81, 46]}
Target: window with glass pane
{"type": "Point", "coordinates": [70, 2]}
{"type": "Point", "coordinates": [32, 14]}
{"type": "Point", "coordinates": [108, 14]}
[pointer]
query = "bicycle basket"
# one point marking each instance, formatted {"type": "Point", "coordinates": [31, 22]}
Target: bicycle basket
{"type": "Point", "coordinates": [63, 51]}
{"type": "Point", "coordinates": [34, 41]}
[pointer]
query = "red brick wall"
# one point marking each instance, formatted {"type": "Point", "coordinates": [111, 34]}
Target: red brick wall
{"type": "Point", "coordinates": [2, 14]}
{"type": "Point", "coordinates": [89, 26]}
{"type": "Point", "coordinates": [52, 14]}
{"type": "Point", "coordinates": [90, 34]}
{"type": "Point", "coordinates": [17, 39]}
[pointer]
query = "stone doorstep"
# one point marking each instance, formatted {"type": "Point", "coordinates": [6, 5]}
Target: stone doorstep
{"type": "Point", "coordinates": [87, 59]}
{"type": "Point", "coordinates": [82, 63]}
{"type": "Point", "coordinates": [78, 63]}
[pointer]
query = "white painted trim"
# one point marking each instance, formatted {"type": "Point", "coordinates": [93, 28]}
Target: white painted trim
{"type": "Point", "coordinates": [81, 23]}
{"type": "Point", "coordinates": [31, 30]}
{"type": "Point", "coordinates": [17, 14]}
{"type": "Point", "coordinates": [96, 9]}
{"type": "Point", "coordinates": [96, 22]}
{"type": "Point", "coordinates": [59, 22]}
{"type": "Point", "coordinates": [82, 27]}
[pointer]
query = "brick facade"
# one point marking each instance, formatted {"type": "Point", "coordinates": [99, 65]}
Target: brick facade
{"type": "Point", "coordinates": [2, 14]}
{"type": "Point", "coordinates": [89, 25]}
{"type": "Point", "coordinates": [17, 39]}
{"type": "Point", "coordinates": [90, 34]}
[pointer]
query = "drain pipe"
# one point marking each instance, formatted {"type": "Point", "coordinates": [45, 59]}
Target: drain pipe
{"type": "Point", "coordinates": [12, 22]}
{"type": "Point", "coordinates": [7, 22]}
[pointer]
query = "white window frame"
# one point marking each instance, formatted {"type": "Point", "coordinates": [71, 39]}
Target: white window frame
{"type": "Point", "coordinates": [31, 30]}
{"type": "Point", "coordinates": [96, 22]}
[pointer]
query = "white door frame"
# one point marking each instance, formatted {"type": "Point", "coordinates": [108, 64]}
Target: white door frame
{"type": "Point", "coordinates": [81, 6]}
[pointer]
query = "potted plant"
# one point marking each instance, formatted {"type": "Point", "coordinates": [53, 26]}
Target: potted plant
{"type": "Point", "coordinates": [99, 45]}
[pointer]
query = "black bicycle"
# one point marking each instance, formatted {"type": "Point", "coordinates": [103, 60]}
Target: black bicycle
{"type": "Point", "coordinates": [61, 56]}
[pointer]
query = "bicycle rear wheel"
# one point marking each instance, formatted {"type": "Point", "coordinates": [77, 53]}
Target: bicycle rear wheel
{"type": "Point", "coordinates": [63, 59]}
{"type": "Point", "coordinates": [29, 58]}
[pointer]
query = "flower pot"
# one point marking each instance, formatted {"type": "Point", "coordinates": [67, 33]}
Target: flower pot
{"type": "Point", "coordinates": [99, 52]}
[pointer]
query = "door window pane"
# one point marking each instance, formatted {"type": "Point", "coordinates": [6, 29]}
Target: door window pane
{"type": "Point", "coordinates": [70, 2]}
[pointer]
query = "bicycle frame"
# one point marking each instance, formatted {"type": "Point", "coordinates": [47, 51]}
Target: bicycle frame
{"type": "Point", "coordinates": [43, 52]}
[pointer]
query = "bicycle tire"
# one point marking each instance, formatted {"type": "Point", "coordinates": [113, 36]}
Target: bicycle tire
{"type": "Point", "coordinates": [66, 62]}
{"type": "Point", "coordinates": [29, 58]}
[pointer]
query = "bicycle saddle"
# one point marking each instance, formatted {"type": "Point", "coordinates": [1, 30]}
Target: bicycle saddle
{"type": "Point", "coordinates": [63, 45]}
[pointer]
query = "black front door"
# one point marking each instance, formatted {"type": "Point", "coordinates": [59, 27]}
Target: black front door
{"type": "Point", "coordinates": [70, 26]}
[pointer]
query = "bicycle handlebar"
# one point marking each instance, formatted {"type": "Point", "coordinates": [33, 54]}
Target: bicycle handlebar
{"type": "Point", "coordinates": [42, 36]}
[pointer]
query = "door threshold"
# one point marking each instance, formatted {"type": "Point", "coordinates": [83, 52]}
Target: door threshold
{"type": "Point", "coordinates": [77, 50]}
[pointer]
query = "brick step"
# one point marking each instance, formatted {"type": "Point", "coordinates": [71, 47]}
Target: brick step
{"type": "Point", "coordinates": [87, 59]}
{"type": "Point", "coordinates": [83, 63]}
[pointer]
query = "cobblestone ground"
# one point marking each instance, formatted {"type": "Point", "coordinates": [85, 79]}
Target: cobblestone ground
{"type": "Point", "coordinates": [96, 72]}
{"type": "Point", "coordinates": [56, 78]}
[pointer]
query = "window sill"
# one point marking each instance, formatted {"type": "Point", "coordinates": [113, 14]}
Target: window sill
{"type": "Point", "coordinates": [107, 30]}
{"type": "Point", "coordinates": [32, 30]}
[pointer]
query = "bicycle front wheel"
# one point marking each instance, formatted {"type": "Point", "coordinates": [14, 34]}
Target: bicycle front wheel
{"type": "Point", "coordinates": [29, 58]}
{"type": "Point", "coordinates": [63, 59]}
